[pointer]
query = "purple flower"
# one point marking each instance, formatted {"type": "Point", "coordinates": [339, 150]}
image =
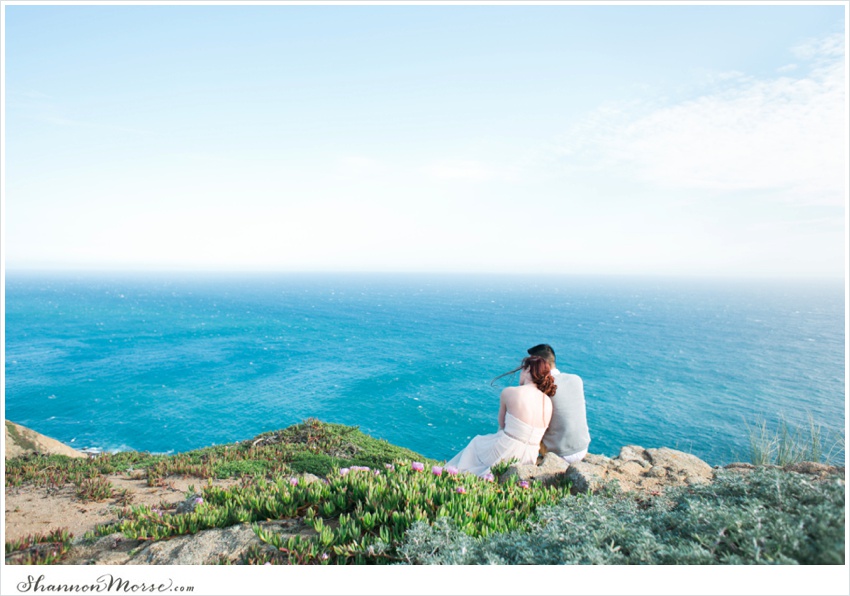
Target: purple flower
{"type": "Point", "coordinates": [390, 467]}
{"type": "Point", "coordinates": [325, 556]}
{"type": "Point", "coordinates": [489, 477]}
{"type": "Point", "coordinates": [294, 481]}
{"type": "Point", "coordinates": [360, 468]}
{"type": "Point", "coordinates": [452, 471]}
{"type": "Point", "coordinates": [344, 471]}
{"type": "Point", "coordinates": [523, 483]}
{"type": "Point", "coordinates": [460, 490]}
{"type": "Point", "coordinates": [437, 470]}
{"type": "Point", "coordinates": [418, 466]}
{"type": "Point", "coordinates": [377, 472]}
{"type": "Point", "coordinates": [197, 500]}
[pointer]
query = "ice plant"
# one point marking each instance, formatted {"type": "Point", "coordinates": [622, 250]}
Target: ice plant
{"type": "Point", "coordinates": [489, 477]}
{"type": "Point", "coordinates": [452, 471]}
{"type": "Point", "coordinates": [460, 490]}
{"type": "Point", "coordinates": [418, 466]}
{"type": "Point", "coordinates": [294, 481]}
{"type": "Point", "coordinates": [437, 470]}
{"type": "Point", "coordinates": [198, 500]}
{"type": "Point", "coordinates": [390, 467]}
{"type": "Point", "coordinates": [344, 471]}
{"type": "Point", "coordinates": [523, 483]}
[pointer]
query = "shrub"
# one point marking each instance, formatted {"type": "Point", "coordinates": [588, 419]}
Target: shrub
{"type": "Point", "coordinates": [769, 516]}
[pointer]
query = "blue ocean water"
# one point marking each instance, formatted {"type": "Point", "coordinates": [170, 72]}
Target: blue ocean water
{"type": "Point", "coordinates": [173, 362]}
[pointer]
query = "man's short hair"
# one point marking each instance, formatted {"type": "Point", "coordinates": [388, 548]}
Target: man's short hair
{"type": "Point", "coordinates": [544, 351]}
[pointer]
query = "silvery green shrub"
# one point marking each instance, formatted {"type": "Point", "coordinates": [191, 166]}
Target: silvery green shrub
{"type": "Point", "coordinates": [766, 517]}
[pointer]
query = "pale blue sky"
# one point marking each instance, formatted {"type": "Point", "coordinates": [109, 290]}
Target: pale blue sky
{"type": "Point", "coordinates": [573, 139]}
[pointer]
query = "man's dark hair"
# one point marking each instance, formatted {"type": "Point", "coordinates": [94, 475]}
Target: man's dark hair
{"type": "Point", "coordinates": [544, 351]}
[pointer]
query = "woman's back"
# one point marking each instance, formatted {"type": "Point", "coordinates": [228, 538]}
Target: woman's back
{"type": "Point", "coordinates": [528, 404]}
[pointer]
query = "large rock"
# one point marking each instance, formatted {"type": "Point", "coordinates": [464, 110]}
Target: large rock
{"type": "Point", "coordinates": [204, 548]}
{"type": "Point", "coordinates": [550, 470]}
{"type": "Point", "coordinates": [636, 468]}
{"type": "Point", "coordinates": [21, 440]}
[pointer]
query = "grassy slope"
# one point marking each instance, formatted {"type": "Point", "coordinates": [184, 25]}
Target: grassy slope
{"type": "Point", "coordinates": [385, 511]}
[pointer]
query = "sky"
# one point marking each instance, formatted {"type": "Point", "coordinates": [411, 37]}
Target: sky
{"type": "Point", "coordinates": [631, 139]}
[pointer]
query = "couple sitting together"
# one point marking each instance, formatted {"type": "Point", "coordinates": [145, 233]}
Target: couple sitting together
{"type": "Point", "coordinates": [544, 414]}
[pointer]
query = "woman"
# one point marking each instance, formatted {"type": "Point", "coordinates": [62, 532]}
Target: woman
{"type": "Point", "coordinates": [524, 415]}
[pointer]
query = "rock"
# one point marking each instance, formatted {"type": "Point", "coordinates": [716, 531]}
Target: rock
{"type": "Point", "coordinates": [597, 460]}
{"type": "Point", "coordinates": [209, 547]}
{"type": "Point", "coordinates": [586, 477]}
{"type": "Point", "coordinates": [656, 472]}
{"type": "Point", "coordinates": [188, 505]}
{"type": "Point", "coordinates": [550, 470]}
{"type": "Point", "coordinates": [21, 440]}
{"type": "Point", "coordinates": [114, 549]}
{"type": "Point", "coordinates": [686, 467]}
{"type": "Point", "coordinates": [814, 469]}
{"type": "Point", "coordinates": [739, 466]}
{"type": "Point", "coordinates": [633, 452]}
{"type": "Point", "coordinates": [639, 469]}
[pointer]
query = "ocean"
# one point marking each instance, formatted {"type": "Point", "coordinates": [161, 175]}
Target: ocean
{"type": "Point", "coordinates": [169, 362]}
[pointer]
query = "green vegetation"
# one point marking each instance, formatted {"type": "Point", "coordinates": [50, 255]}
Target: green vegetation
{"type": "Point", "coordinates": [18, 439]}
{"type": "Point", "coordinates": [359, 514]}
{"type": "Point", "coordinates": [312, 447]}
{"type": "Point", "coordinates": [766, 517]}
{"type": "Point", "coordinates": [42, 549]}
{"type": "Point", "coordinates": [94, 489]}
{"type": "Point", "coordinates": [789, 443]}
{"type": "Point", "coordinates": [375, 503]}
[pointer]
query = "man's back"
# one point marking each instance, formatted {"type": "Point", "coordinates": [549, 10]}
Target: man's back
{"type": "Point", "coordinates": [568, 433]}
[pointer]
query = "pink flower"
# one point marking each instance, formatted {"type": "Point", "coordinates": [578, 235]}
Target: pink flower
{"type": "Point", "coordinates": [198, 500]}
{"type": "Point", "coordinates": [437, 470]}
{"type": "Point", "coordinates": [390, 467]}
{"type": "Point", "coordinates": [489, 477]}
{"type": "Point", "coordinates": [266, 563]}
{"type": "Point", "coordinates": [452, 471]}
{"type": "Point", "coordinates": [377, 472]}
{"type": "Point", "coordinates": [344, 471]}
{"type": "Point", "coordinates": [293, 481]}
{"type": "Point", "coordinates": [460, 490]}
{"type": "Point", "coordinates": [523, 483]}
{"type": "Point", "coordinates": [418, 466]}
{"type": "Point", "coordinates": [325, 556]}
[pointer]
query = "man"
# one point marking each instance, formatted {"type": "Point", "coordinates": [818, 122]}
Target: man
{"type": "Point", "coordinates": [567, 435]}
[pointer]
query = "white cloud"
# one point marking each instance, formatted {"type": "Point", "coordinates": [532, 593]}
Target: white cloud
{"type": "Point", "coordinates": [785, 135]}
{"type": "Point", "coordinates": [831, 46]}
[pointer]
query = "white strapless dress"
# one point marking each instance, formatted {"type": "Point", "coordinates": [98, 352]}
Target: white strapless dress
{"type": "Point", "coordinates": [517, 440]}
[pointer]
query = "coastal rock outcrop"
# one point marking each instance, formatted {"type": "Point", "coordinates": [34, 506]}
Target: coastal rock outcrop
{"type": "Point", "coordinates": [21, 440]}
{"type": "Point", "coordinates": [550, 470]}
{"type": "Point", "coordinates": [636, 468]}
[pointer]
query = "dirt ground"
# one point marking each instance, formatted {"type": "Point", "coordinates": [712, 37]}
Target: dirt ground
{"type": "Point", "coordinates": [37, 510]}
